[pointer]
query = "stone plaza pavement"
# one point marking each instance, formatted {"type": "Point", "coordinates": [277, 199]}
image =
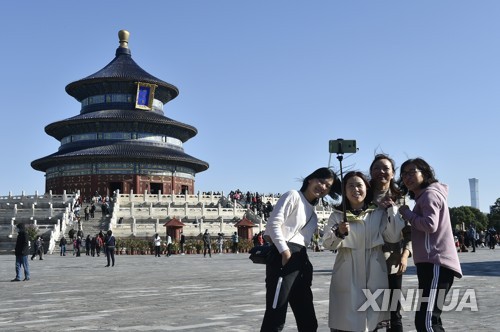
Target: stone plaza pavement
{"type": "Point", "coordinates": [192, 293]}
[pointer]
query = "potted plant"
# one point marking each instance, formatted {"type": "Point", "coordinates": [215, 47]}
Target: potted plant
{"type": "Point", "coordinates": [175, 247]}
{"type": "Point", "coordinates": [244, 245]}
{"type": "Point", "coordinates": [199, 246]}
{"type": "Point", "coordinates": [189, 247]}
{"type": "Point", "coordinates": [118, 243]}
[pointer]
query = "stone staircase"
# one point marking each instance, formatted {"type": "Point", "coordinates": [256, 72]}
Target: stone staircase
{"type": "Point", "coordinates": [92, 226]}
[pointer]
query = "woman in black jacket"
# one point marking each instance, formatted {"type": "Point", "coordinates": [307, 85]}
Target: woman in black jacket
{"type": "Point", "coordinates": [22, 251]}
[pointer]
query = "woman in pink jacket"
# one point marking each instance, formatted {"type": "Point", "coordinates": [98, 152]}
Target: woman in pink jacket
{"type": "Point", "coordinates": [434, 250]}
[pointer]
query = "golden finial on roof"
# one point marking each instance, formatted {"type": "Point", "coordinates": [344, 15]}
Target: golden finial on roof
{"type": "Point", "coordinates": [123, 36]}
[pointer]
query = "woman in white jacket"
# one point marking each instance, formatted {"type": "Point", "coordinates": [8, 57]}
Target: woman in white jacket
{"type": "Point", "coordinates": [288, 270]}
{"type": "Point", "coordinates": [360, 269]}
{"type": "Point", "coordinates": [157, 243]}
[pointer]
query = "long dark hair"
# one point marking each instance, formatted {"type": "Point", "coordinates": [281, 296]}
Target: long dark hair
{"type": "Point", "coordinates": [369, 192]}
{"type": "Point", "coordinates": [426, 170]}
{"type": "Point", "coordinates": [324, 173]}
{"type": "Point", "coordinates": [396, 193]}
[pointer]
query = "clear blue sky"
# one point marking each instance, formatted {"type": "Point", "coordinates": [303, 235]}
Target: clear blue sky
{"type": "Point", "coordinates": [269, 83]}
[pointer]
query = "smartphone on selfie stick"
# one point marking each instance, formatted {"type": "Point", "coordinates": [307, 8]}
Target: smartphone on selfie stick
{"type": "Point", "coordinates": [341, 146]}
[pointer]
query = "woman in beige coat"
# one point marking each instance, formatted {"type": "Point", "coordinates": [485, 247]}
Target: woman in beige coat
{"type": "Point", "coordinates": [360, 264]}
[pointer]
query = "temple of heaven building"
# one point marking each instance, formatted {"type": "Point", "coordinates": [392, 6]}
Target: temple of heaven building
{"type": "Point", "coordinates": [121, 139]}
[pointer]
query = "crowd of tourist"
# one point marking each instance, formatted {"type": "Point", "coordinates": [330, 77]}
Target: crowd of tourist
{"type": "Point", "coordinates": [470, 239]}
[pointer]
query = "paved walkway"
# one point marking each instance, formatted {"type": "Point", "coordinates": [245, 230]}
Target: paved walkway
{"type": "Point", "coordinates": [192, 293]}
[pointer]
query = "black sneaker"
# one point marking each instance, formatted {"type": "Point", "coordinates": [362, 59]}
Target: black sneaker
{"type": "Point", "coordinates": [26, 279]}
{"type": "Point", "coordinates": [15, 280]}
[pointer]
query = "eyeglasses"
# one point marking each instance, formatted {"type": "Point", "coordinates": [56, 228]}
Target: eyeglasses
{"type": "Point", "coordinates": [410, 173]}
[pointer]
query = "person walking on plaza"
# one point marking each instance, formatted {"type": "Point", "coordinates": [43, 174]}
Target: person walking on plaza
{"type": "Point", "coordinates": [235, 240]}
{"type": "Point", "coordinates": [220, 242]}
{"type": "Point", "coordinates": [473, 237]}
{"type": "Point", "coordinates": [92, 246]}
{"type": "Point", "coordinates": [206, 244]}
{"type": "Point", "coordinates": [387, 193]}
{"type": "Point", "coordinates": [98, 244]}
{"type": "Point", "coordinates": [87, 245]}
{"type": "Point", "coordinates": [434, 252]}
{"type": "Point", "coordinates": [169, 245]}
{"type": "Point", "coordinates": [358, 234]}
{"type": "Point", "coordinates": [289, 272]}
{"type": "Point", "coordinates": [157, 244]}
{"type": "Point", "coordinates": [38, 248]}
{"type": "Point", "coordinates": [62, 245]}
{"type": "Point", "coordinates": [492, 237]}
{"type": "Point", "coordinates": [22, 251]}
{"type": "Point", "coordinates": [110, 248]}
{"type": "Point", "coordinates": [182, 241]}
{"type": "Point", "coordinates": [78, 245]}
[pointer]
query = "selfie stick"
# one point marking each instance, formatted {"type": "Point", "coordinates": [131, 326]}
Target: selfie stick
{"type": "Point", "coordinates": [340, 157]}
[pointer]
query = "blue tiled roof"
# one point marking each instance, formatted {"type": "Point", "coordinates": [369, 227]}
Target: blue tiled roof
{"type": "Point", "coordinates": [121, 68]}
{"type": "Point", "coordinates": [171, 127]}
{"type": "Point", "coordinates": [123, 152]}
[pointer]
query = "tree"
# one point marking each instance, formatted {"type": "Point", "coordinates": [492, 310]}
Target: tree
{"type": "Point", "coordinates": [494, 216]}
{"type": "Point", "coordinates": [495, 208]}
{"type": "Point", "coordinates": [32, 232]}
{"type": "Point", "coordinates": [464, 216]}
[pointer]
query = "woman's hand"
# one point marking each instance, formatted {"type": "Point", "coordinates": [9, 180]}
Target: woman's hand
{"type": "Point", "coordinates": [387, 202]}
{"type": "Point", "coordinates": [403, 209]}
{"type": "Point", "coordinates": [344, 227]}
{"type": "Point", "coordinates": [285, 257]}
{"type": "Point", "coordinates": [404, 262]}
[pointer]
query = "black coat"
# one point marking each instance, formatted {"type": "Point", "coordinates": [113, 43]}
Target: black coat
{"type": "Point", "coordinates": [22, 244]}
{"type": "Point", "coordinates": [206, 238]}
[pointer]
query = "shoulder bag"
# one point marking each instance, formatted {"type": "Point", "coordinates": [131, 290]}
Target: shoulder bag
{"type": "Point", "coordinates": [260, 254]}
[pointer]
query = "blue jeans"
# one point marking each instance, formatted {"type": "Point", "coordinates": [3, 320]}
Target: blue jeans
{"type": "Point", "coordinates": [63, 250]}
{"type": "Point", "coordinates": [110, 255]}
{"type": "Point", "coordinates": [22, 261]}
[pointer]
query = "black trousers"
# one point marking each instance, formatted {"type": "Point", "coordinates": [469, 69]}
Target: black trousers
{"type": "Point", "coordinates": [395, 283]}
{"type": "Point", "coordinates": [434, 281]}
{"type": "Point", "coordinates": [295, 290]}
{"type": "Point", "coordinates": [473, 244]}
{"type": "Point", "coordinates": [38, 252]}
{"type": "Point", "coordinates": [206, 247]}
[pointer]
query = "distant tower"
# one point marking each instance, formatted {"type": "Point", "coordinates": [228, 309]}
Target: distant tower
{"type": "Point", "coordinates": [474, 192]}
